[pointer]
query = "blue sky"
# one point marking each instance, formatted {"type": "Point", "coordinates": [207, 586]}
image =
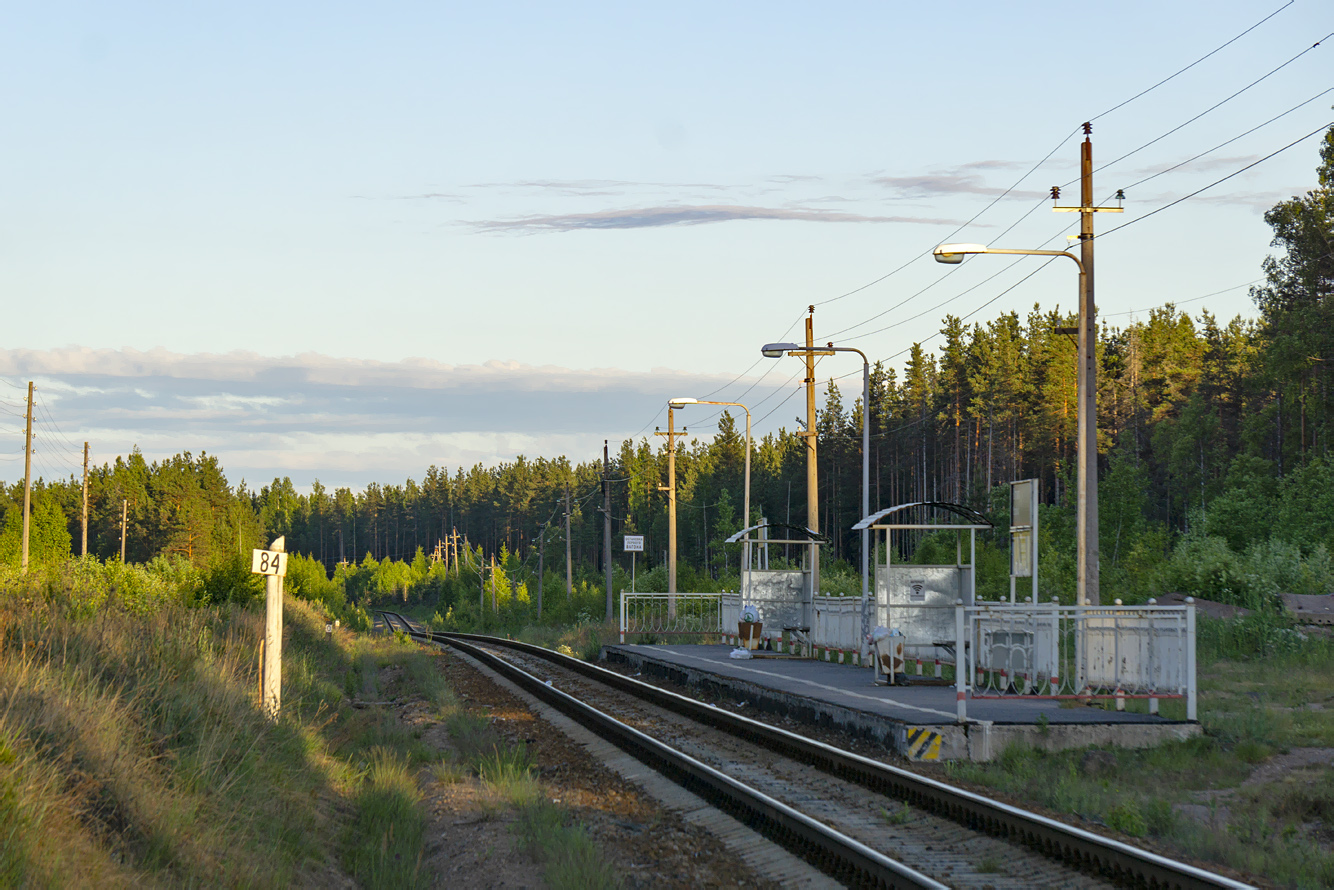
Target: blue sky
{"type": "Point", "coordinates": [536, 222]}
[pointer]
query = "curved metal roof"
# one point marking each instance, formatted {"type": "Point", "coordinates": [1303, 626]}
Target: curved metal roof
{"type": "Point", "coordinates": [968, 513]}
{"type": "Point", "coordinates": [807, 534]}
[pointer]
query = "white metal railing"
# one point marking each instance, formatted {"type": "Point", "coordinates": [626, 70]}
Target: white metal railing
{"type": "Point", "coordinates": [1046, 650]}
{"type": "Point", "coordinates": [837, 623]}
{"type": "Point", "coordinates": [677, 614]}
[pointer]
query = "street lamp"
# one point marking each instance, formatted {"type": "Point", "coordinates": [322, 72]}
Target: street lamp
{"type": "Point", "coordinates": [681, 403]}
{"type": "Point", "coordinates": [1087, 398]}
{"type": "Point", "coordinates": [778, 350]}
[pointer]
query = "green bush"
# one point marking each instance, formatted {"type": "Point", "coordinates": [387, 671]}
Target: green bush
{"type": "Point", "coordinates": [229, 580]}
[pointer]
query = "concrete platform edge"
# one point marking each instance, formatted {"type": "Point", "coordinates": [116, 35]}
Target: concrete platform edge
{"type": "Point", "coordinates": [976, 741]}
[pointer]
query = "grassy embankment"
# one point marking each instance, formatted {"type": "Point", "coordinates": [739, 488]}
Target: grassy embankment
{"type": "Point", "coordinates": [132, 748]}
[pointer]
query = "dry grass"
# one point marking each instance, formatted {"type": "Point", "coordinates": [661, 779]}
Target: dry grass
{"type": "Point", "coordinates": [133, 750]}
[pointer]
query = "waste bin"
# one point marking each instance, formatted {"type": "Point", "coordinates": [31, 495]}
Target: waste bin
{"type": "Point", "coordinates": [889, 664]}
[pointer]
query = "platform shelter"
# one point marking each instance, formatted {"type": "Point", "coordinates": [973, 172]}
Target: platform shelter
{"type": "Point", "coordinates": [920, 599]}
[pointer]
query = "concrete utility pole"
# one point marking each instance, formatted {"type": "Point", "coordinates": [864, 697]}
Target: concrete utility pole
{"type": "Point", "coordinates": [84, 551]}
{"type": "Point", "coordinates": [541, 568]}
{"type": "Point", "coordinates": [812, 472]}
{"type": "Point", "coordinates": [569, 563]}
{"type": "Point", "coordinates": [670, 488]}
{"type": "Point", "coordinates": [606, 523]}
{"type": "Point", "coordinates": [124, 505]}
{"type": "Point", "coordinates": [27, 481]}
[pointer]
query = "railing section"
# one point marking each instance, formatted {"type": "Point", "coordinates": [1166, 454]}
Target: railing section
{"type": "Point", "coordinates": [1045, 650]}
{"type": "Point", "coordinates": [1080, 652]}
{"type": "Point", "coordinates": [838, 623]}
{"type": "Point", "coordinates": [678, 614]}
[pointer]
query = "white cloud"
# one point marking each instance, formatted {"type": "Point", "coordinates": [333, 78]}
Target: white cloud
{"type": "Point", "coordinates": [344, 421]}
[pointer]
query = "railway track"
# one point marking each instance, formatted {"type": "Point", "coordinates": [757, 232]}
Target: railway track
{"type": "Point", "coordinates": [863, 822]}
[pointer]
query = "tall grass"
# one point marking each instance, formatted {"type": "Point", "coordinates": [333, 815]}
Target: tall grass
{"type": "Point", "coordinates": [390, 818]}
{"type": "Point", "coordinates": [143, 731]}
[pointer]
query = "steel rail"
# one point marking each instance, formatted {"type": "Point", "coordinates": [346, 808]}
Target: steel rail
{"type": "Point", "coordinates": [839, 856]}
{"type": "Point", "coordinates": [1118, 861]}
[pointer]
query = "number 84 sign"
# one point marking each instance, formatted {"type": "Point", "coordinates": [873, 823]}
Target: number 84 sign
{"type": "Point", "coordinates": [268, 562]}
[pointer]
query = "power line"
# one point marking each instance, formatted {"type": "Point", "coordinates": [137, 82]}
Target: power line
{"type": "Point", "coordinates": [1272, 154]}
{"type": "Point", "coordinates": [1192, 64]}
{"type": "Point", "coordinates": [1209, 109]}
{"type": "Point", "coordinates": [1228, 142]}
{"type": "Point", "coordinates": [1182, 302]}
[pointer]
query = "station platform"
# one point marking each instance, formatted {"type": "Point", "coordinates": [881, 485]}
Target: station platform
{"type": "Point", "coordinates": [918, 721]}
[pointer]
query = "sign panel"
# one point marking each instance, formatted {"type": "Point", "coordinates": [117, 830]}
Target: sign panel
{"type": "Point", "coordinates": [634, 543]}
{"type": "Point", "coordinates": [1021, 554]}
{"type": "Point", "coordinates": [268, 562]}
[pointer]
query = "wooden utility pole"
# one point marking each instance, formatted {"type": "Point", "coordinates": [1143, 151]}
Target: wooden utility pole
{"type": "Point", "coordinates": [495, 606]}
{"type": "Point", "coordinates": [812, 473]}
{"type": "Point", "coordinates": [27, 481]}
{"type": "Point", "coordinates": [569, 563]}
{"type": "Point", "coordinates": [124, 504]}
{"type": "Point", "coordinates": [541, 568]}
{"type": "Point", "coordinates": [670, 488]}
{"type": "Point", "coordinates": [84, 551]}
{"type": "Point", "coordinates": [606, 523]}
{"type": "Point", "coordinates": [1087, 442]}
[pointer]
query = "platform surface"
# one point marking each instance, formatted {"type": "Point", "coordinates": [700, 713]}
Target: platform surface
{"type": "Point", "coordinates": [849, 686]}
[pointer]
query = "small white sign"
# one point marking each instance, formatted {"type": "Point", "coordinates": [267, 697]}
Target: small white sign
{"type": "Point", "coordinates": [634, 543]}
{"type": "Point", "coordinates": [268, 562]}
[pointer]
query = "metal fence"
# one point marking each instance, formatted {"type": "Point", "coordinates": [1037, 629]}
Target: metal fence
{"type": "Point", "coordinates": [1009, 650]}
{"type": "Point", "coordinates": [1046, 650]}
{"type": "Point", "coordinates": [678, 614]}
{"type": "Point", "coordinates": [837, 624]}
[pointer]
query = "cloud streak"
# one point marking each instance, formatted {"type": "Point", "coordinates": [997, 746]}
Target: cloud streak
{"type": "Point", "coordinates": [684, 215]}
{"type": "Point", "coordinates": [345, 421]}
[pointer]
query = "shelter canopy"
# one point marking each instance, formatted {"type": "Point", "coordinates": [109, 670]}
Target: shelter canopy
{"type": "Point", "coordinates": [807, 535]}
{"type": "Point", "coordinates": [974, 519]}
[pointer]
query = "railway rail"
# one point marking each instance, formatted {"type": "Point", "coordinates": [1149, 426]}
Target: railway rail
{"type": "Point", "coordinates": [843, 857]}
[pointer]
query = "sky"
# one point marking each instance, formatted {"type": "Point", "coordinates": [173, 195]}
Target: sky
{"type": "Point", "coordinates": [345, 242]}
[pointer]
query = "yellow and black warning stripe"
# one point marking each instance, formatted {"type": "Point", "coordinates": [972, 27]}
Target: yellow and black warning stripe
{"type": "Point", "coordinates": [923, 744]}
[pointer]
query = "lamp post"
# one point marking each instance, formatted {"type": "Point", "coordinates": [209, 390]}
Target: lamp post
{"type": "Point", "coordinates": [1086, 589]}
{"type": "Point", "coordinates": [776, 350]}
{"type": "Point", "coordinates": [681, 403]}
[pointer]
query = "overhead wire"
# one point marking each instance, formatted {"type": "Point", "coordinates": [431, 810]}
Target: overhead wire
{"type": "Point", "coordinates": [1272, 154]}
{"type": "Point", "coordinates": [1213, 107]}
{"type": "Point", "coordinates": [1228, 142]}
{"type": "Point", "coordinates": [1061, 143]}
{"type": "Point", "coordinates": [1142, 93]}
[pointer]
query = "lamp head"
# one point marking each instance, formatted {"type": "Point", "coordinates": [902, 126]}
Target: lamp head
{"type": "Point", "coordinates": [681, 403]}
{"type": "Point", "coordinates": [776, 350]}
{"type": "Point", "coordinates": [954, 253]}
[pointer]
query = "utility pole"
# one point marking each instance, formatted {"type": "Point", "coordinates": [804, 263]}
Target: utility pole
{"type": "Point", "coordinates": [84, 551]}
{"type": "Point", "coordinates": [27, 481]}
{"type": "Point", "coordinates": [812, 474]}
{"type": "Point", "coordinates": [569, 563]}
{"type": "Point", "coordinates": [124, 504]}
{"type": "Point", "coordinates": [1086, 441]}
{"type": "Point", "coordinates": [1087, 568]}
{"type": "Point", "coordinates": [541, 568]}
{"type": "Point", "coordinates": [606, 522]}
{"type": "Point", "coordinates": [670, 488]}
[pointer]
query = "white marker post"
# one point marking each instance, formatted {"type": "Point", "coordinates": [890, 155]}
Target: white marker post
{"type": "Point", "coordinates": [272, 564]}
{"type": "Point", "coordinates": [634, 545]}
